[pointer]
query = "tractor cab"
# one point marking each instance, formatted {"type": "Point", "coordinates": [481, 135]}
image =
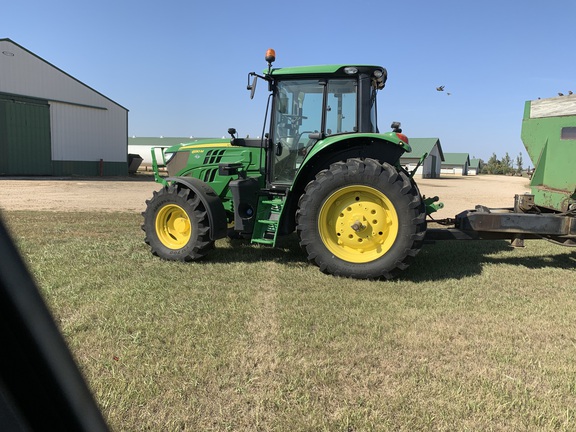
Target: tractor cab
{"type": "Point", "coordinates": [312, 103]}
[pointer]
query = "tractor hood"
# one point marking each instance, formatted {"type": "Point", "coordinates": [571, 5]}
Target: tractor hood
{"type": "Point", "coordinates": [201, 158]}
{"type": "Point", "coordinates": [199, 144]}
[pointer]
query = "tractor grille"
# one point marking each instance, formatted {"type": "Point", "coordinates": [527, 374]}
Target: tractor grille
{"type": "Point", "coordinates": [210, 175]}
{"type": "Point", "coordinates": [214, 156]}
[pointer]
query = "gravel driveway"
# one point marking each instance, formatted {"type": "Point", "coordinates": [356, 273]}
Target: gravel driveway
{"type": "Point", "coordinates": [129, 194]}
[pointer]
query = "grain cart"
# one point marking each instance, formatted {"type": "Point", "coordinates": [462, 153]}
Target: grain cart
{"type": "Point", "coordinates": [549, 211]}
{"type": "Point", "coordinates": [321, 169]}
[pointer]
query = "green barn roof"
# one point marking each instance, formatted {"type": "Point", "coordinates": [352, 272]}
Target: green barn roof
{"type": "Point", "coordinates": [456, 159]}
{"type": "Point", "coordinates": [475, 163]}
{"type": "Point", "coordinates": [423, 145]}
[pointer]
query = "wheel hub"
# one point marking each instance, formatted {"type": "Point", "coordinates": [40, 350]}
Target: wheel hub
{"type": "Point", "coordinates": [358, 226]}
{"type": "Point", "coordinates": [173, 226]}
{"type": "Point", "coordinates": [181, 225]}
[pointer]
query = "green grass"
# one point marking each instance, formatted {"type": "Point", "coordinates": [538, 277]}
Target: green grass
{"type": "Point", "coordinates": [474, 336]}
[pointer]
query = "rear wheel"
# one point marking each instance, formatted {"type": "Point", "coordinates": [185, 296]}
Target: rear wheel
{"type": "Point", "coordinates": [176, 225]}
{"type": "Point", "coordinates": [361, 219]}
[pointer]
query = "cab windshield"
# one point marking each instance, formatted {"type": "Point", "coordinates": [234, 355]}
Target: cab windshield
{"type": "Point", "coordinates": [299, 111]}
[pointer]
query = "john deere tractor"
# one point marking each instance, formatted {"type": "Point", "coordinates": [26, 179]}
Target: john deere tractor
{"type": "Point", "coordinates": [322, 169]}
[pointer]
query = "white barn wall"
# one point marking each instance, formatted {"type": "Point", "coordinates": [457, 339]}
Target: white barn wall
{"type": "Point", "coordinates": [83, 133]}
{"type": "Point", "coordinates": [434, 168]}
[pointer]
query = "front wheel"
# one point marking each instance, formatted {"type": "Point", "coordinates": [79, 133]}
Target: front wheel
{"type": "Point", "coordinates": [361, 219]}
{"type": "Point", "coordinates": [176, 225]}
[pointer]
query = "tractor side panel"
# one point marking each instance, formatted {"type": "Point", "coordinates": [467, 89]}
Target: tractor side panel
{"type": "Point", "coordinates": [203, 163]}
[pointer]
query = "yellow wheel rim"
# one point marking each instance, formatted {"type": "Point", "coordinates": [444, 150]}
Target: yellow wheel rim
{"type": "Point", "coordinates": [173, 226]}
{"type": "Point", "coordinates": [358, 224]}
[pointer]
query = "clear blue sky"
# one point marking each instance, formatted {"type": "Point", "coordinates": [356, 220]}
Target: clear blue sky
{"type": "Point", "coordinates": [180, 67]}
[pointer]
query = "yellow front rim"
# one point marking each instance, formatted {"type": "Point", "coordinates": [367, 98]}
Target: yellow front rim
{"type": "Point", "coordinates": [358, 224]}
{"type": "Point", "coordinates": [173, 226]}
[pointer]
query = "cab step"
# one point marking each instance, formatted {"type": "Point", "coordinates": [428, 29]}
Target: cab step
{"type": "Point", "coordinates": [268, 216]}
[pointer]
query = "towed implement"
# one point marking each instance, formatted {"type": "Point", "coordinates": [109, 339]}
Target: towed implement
{"type": "Point", "coordinates": [549, 211]}
{"type": "Point", "coordinates": [322, 169]}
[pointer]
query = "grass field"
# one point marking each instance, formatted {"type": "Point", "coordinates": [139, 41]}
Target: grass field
{"type": "Point", "coordinates": [474, 336]}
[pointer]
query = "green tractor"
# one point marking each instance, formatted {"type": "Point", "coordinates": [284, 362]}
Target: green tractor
{"type": "Point", "coordinates": [322, 169]}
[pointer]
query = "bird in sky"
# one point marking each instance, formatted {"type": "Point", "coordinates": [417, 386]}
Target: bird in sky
{"type": "Point", "coordinates": [441, 88]}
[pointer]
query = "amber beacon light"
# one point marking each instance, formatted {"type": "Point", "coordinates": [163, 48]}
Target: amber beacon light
{"type": "Point", "coordinates": [270, 55]}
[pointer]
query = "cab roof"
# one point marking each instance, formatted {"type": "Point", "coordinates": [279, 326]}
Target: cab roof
{"type": "Point", "coordinates": [335, 69]}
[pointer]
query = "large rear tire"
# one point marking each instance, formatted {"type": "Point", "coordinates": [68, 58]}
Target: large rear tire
{"type": "Point", "coordinates": [176, 225]}
{"type": "Point", "coordinates": [361, 219]}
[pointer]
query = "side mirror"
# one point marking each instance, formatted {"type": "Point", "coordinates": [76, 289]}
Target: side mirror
{"type": "Point", "coordinates": [253, 87]}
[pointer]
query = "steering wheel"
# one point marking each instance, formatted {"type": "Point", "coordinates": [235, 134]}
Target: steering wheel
{"type": "Point", "coordinates": [294, 116]}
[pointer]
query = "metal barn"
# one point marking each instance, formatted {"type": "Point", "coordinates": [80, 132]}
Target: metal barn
{"type": "Point", "coordinates": [431, 150]}
{"type": "Point", "coordinates": [456, 163]}
{"type": "Point", "coordinates": [53, 124]}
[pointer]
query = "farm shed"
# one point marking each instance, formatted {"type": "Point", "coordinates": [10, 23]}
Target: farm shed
{"type": "Point", "coordinates": [456, 163]}
{"type": "Point", "coordinates": [53, 124]}
{"type": "Point", "coordinates": [474, 168]}
{"type": "Point", "coordinates": [430, 168]}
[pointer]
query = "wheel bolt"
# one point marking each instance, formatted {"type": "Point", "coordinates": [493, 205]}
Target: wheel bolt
{"type": "Point", "coordinates": [358, 226]}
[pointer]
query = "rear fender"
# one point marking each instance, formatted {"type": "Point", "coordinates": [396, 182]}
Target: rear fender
{"type": "Point", "coordinates": [382, 147]}
{"type": "Point", "coordinates": [386, 139]}
{"type": "Point", "coordinates": [211, 201]}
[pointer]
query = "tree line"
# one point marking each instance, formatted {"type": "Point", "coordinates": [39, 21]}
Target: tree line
{"type": "Point", "coordinates": [504, 166]}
